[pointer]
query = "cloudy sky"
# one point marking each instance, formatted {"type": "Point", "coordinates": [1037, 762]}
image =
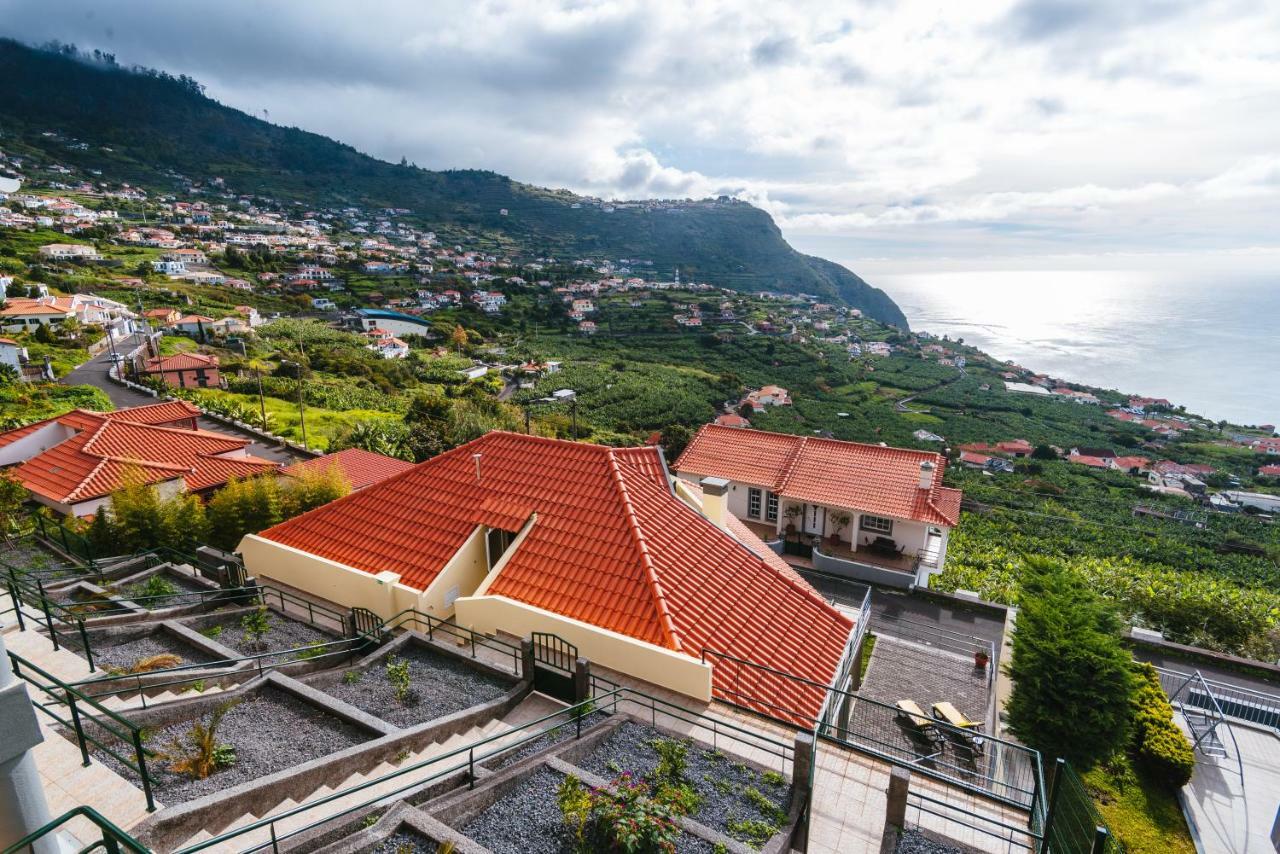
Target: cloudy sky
{"type": "Point", "coordinates": [897, 132]}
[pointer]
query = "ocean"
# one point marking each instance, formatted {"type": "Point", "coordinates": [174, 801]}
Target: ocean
{"type": "Point", "coordinates": [1208, 342]}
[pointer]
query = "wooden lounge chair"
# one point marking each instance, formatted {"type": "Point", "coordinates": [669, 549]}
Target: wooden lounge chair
{"type": "Point", "coordinates": [967, 729]}
{"type": "Point", "coordinates": [917, 723]}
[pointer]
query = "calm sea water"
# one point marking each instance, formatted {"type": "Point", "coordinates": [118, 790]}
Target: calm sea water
{"type": "Point", "coordinates": [1210, 343]}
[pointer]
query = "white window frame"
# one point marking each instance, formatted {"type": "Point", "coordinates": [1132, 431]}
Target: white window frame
{"type": "Point", "coordinates": [755, 502]}
{"type": "Point", "coordinates": [875, 524]}
{"type": "Point", "coordinates": [771, 507]}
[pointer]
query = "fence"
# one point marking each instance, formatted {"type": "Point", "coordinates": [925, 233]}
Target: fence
{"type": "Point", "coordinates": [411, 618]}
{"type": "Point", "coordinates": [925, 812]}
{"type": "Point", "coordinates": [111, 839]}
{"type": "Point", "coordinates": [64, 626]}
{"type": "Point", "coordinates": [94, 725]}
{"type": "Point", "coordinates": [1073, 824]}
{"type": "Point", "coordinates": [1232, 701]}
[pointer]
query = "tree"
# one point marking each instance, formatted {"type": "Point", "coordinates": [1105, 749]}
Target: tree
{"type": "Point", "coordinates": [1073, 682]}
{"type": "Point", "coordinates": [44, 334]}
{"type": "Point", "coordinates": [1044, 452]}
{"type": "Point", "coordinates": [312, 488]}
{"type": "Point", "coordinates": [244, 507]}
{"type": "Point", "coordinates": [458, 337]}
{"type": "Point", "coordinates": [12, 496]}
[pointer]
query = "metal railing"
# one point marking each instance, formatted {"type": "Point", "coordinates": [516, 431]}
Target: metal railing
{"type": "Point", "coordinates": [111, 839]}
{"type": "Point", "coordinates": [1073, 824]}
{"type": "Point", "coordinates": [1232, 701]}
{"type": "Point", "coordinates": [49, 612]}
{"type": "Point", "coordinates": [157, 681]}
{"type": "Point", "coordinates": [1000, 836]}
{"type": "Point", "coordinates": [461, 760]}
{"type": "Point", "coordinates": [84, 711]}
{"type": "Point", "coordinates": [980, 763]}
{"type": "Point", "coordinates": [411, 618]}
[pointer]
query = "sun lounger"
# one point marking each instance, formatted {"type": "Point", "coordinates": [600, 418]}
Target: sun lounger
{"type": "Point", "coordinates": [968, 730]}
{"type": "Point", "coordinates": [919, 725]}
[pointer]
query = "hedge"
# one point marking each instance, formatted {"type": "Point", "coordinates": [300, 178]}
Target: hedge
{"type": "Point", "coordinates": [1159, 746]}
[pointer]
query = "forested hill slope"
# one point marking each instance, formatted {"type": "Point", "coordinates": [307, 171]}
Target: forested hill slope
{"type": "Point", "coordinates": [155, 125]}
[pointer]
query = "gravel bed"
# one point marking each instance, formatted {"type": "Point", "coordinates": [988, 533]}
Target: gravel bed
{"type": "Point", "coordinates": [404, 842]}
{"type": "Point", "coordinates": [86, 604]}
{"type": "Point", "coordinates": [126, 653]}
{"type": "Point", "coordinates": [181, 583]}
{"type": "Point", "coordinates": [914, 842]}
{"type": "Point", "coordinates": [557, 735]}
{"type": "Point", "coordinates": [285, 633]}
{"type": "Point", "coordinates": [719, 780]}
{"type": "Point", "coordinates": [26, 555]}
{"type": "Point", "coordinates": [270, 731]}
{"type": "Point", "coordinates": [527, 820]}
{"type": "Point", "coordinates": [441, 685]}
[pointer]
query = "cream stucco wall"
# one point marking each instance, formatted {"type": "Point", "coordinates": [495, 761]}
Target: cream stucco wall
{"type": "Point", "coordinates": [328, 579]}
{"type": "Point", "coordinates": [676, 671]}
{"type": "Point", "coordinates": [459, 577]}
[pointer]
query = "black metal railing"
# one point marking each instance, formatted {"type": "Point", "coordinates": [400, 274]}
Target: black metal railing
{"type": "Point", "coordinates": [928, 813]}
{"type": "Point", "coordinates": [411, 618]}
{"type": "Point", "coordinates": [94, 725]}
{"type": "Point", "coordinates": [461, 761]}
{"type": "Point", "coordinates": [111, 839]}
{"type": "Point", "coordinates": [925, 634]}
{"type": "Point", "coordinates": [61, 622]}
{"type": "Point", "coordinates": [980, 763]}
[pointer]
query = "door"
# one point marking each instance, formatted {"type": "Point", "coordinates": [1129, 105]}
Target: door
{"type": "Point", "coordinates": [814, 517]}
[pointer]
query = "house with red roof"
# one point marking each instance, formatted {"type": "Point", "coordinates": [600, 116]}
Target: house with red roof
{"type": "Point", "coordinates": [72, 463]}
{"type": "Point", "coordinates": [1272, 470]}
{"type": "Point", "coordinates": [358, 467]}
{"type": "Point", "coordinates": [732, 419]}
{"type": "Point", "coordinates": [866, 511]}
{"type": "Point", "coordinates": [185, 370]}
{"type": "Point", "coordinates": [513, 533]}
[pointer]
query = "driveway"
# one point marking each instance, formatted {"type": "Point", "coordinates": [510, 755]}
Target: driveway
{"type": "Point", "coordinates": [94, 373]}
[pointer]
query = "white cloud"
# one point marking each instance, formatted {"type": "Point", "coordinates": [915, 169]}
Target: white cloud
{"type": "Point", "coordinates": [905, 125]}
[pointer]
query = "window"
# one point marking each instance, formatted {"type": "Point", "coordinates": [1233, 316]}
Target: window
{"type": "Point", "coordinates": [771, 508]}
{"type": "Point", "coordinates": [877, 524]}
{"type": "Point", "coordinates": [753, 502]}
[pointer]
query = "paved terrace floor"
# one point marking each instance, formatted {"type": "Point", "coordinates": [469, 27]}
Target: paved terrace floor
{"type": "Point", "coordinates": [1234, 816]}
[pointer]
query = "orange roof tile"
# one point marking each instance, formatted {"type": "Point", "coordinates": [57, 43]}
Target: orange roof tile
{"type": "Point", "coordinates": [359, 467]}
{"type": "Point", "coordinates": [106, 449]}
{"type": "Point", "coordinates": [181, 362]}
{"type": "Point", "coordinates": [611, 545]}
{"type": "Point", "coordinates": [870, 478]}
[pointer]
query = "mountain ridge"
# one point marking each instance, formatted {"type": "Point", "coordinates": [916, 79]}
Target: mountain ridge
{"type": "Point", "coordinates": [155, 124]}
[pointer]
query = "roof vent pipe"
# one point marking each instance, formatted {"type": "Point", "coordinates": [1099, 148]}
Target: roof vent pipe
{"type": "Point", "coordinates": [477, 457]}
{"type": "Point", "coordinates": [926, 475]}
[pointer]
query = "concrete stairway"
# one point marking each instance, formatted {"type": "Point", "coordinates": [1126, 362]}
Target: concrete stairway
{"type": "Point", "coordinates": [388, 789]}
{"type": "Point", "coordinates": [122, 702]}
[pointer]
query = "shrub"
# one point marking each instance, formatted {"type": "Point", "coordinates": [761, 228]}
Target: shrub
{"type": "Point", "coordinates": [163, 661]}
{"type": "Point", "coordinates": [1159, 747]}
{"type": "Point", "coordinates": [255, 626]}
{"type": "Point", "coordinates": [155, 587]}
{"type": "Point", "coordinates": [626, 818]}
{"type": "Point", "coordinates": [398, 676]}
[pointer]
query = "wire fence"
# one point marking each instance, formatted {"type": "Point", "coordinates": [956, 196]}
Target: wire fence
{"type": "Point", "coordinates": [1074, 824]}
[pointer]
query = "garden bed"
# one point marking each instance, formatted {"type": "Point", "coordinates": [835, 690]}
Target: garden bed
{"type": "Point", "coordinates": [126, 652]}
{"type": "Point", "coordinates": [281, 632]}
{"type": "Point", "coordinates": [439, 685]}
{"type": "Point", "coordinates": [28, 556]}
{"type": "Point", "coordinates": [913, 841]}
{"type": "Point", "coordinates": [162, 588]}
{"type": "Point", "coordinates": [405, 841]}
{"type": "Point", "coordinates": [527, 820]}
{"type": "Point", "coordinates": [270, 730]}
{"type": "Point", "coordinates": [724, 786]}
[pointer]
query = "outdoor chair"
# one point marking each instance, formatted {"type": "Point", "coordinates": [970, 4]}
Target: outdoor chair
{"type": "Point", "coordinates": [918, 725]}
{"type": "Point", "coordinates": [967, 730]}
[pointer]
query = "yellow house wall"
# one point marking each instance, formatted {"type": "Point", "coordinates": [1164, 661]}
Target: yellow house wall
{"type": "Point", "coordinates": [465, 571]}
{"type": "Point", "coordinates": [319, 576]}
{"type": "Point", "coordinates": [672, 670]}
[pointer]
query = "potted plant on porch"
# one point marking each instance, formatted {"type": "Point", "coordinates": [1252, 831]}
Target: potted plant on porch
{"type": "Point", "coordinates": [792, 513]}
{"type": "Point", "coordinates": [839, 521]}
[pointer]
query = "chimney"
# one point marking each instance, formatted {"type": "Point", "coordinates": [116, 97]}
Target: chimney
{"type": "Point", "coordinates": [715, 499]}
{"type": "Point", "coordinates": [926, 475]}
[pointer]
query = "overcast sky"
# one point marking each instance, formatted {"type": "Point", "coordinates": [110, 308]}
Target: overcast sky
{"type": "Point", "coordinates": [877, 130]}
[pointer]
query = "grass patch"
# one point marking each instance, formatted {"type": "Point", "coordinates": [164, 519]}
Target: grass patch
{"type": "Point", "coordinates": [1142, 812]}
{"type": "Point", "coordinates": [868, 645]}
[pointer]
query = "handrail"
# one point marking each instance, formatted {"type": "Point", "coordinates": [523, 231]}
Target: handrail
{"type": "Point", "coordinates": [69, 697]}
{"type": "Point", "coordinates": [413, 615]}
{"type": "Point", "coordinates": [49, 607]}
{"type": "Point", "coordinates": [109, 830]}
{"type": "Point", "coordinates": [570, 714]}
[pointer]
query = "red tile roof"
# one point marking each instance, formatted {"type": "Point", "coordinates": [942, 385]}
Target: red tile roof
{"type": "Point", "coordinates": [181, 362]}
{"type": "Point", "coordinates": [107, 448]}
{"type": "Point", "coordinates": [359, 467]}
{"type": "Point", "coordinates": [870, 478]}
{"type": "Point", "coordinates": [610, 545]}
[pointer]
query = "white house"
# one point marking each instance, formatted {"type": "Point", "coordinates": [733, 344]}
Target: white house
{"type": "Point", "coordinates": [169, 268]}
{"type": "Point", "coordinates": [12, 354]}
{"type": "Point", "coordinates": [69, 252]}
{"type": "Point", "coordinates": [865, 511]}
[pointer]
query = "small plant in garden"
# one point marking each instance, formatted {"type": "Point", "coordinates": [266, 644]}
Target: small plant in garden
{"type": "Point", "coordinates": [628, 818]}
{"type": "Point", "coordinates": [398, 676]}
{"type": "Point", "coordinates": [669, 783]}
{"type": "Point", "coordinates": [773, 778]}
{"type": "Point", "coordinates": [312, 650]}
{"type": "Point", "coordinates": [198, 686]}
{"type": "Point", "coordinates": [155, 587]}
{"type": "Point", "coordinates": [200, 753]}
{"type": "Point", "coordinates": [255, 626]}
{"type": "Point", "coordinates": [370, 820]}
{"type": "Point", "coordinates": [163, 661]}
{"type": "Point", "coordinates": [719, 848]}
{"type": "Point", "coordinates": [404, 754]}
{"type": "Point", "coordinates": [212, 632]}
{"type": "Point", "coordinates": [720, 784]}
{"type": "Point", "coordinates": [767, 808]}
{"type": "Point", "coordinates": [613, 766]}
{"type": "Point", "coordinates": [351, 677]}
{"type": "Point", "coordinates": [404, 848]}
{"type": "Point", "coordinates": [751, 831]}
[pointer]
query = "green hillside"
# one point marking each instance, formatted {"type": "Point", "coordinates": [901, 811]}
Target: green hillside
{"type": "Point", "coordinates": [154, 125]}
